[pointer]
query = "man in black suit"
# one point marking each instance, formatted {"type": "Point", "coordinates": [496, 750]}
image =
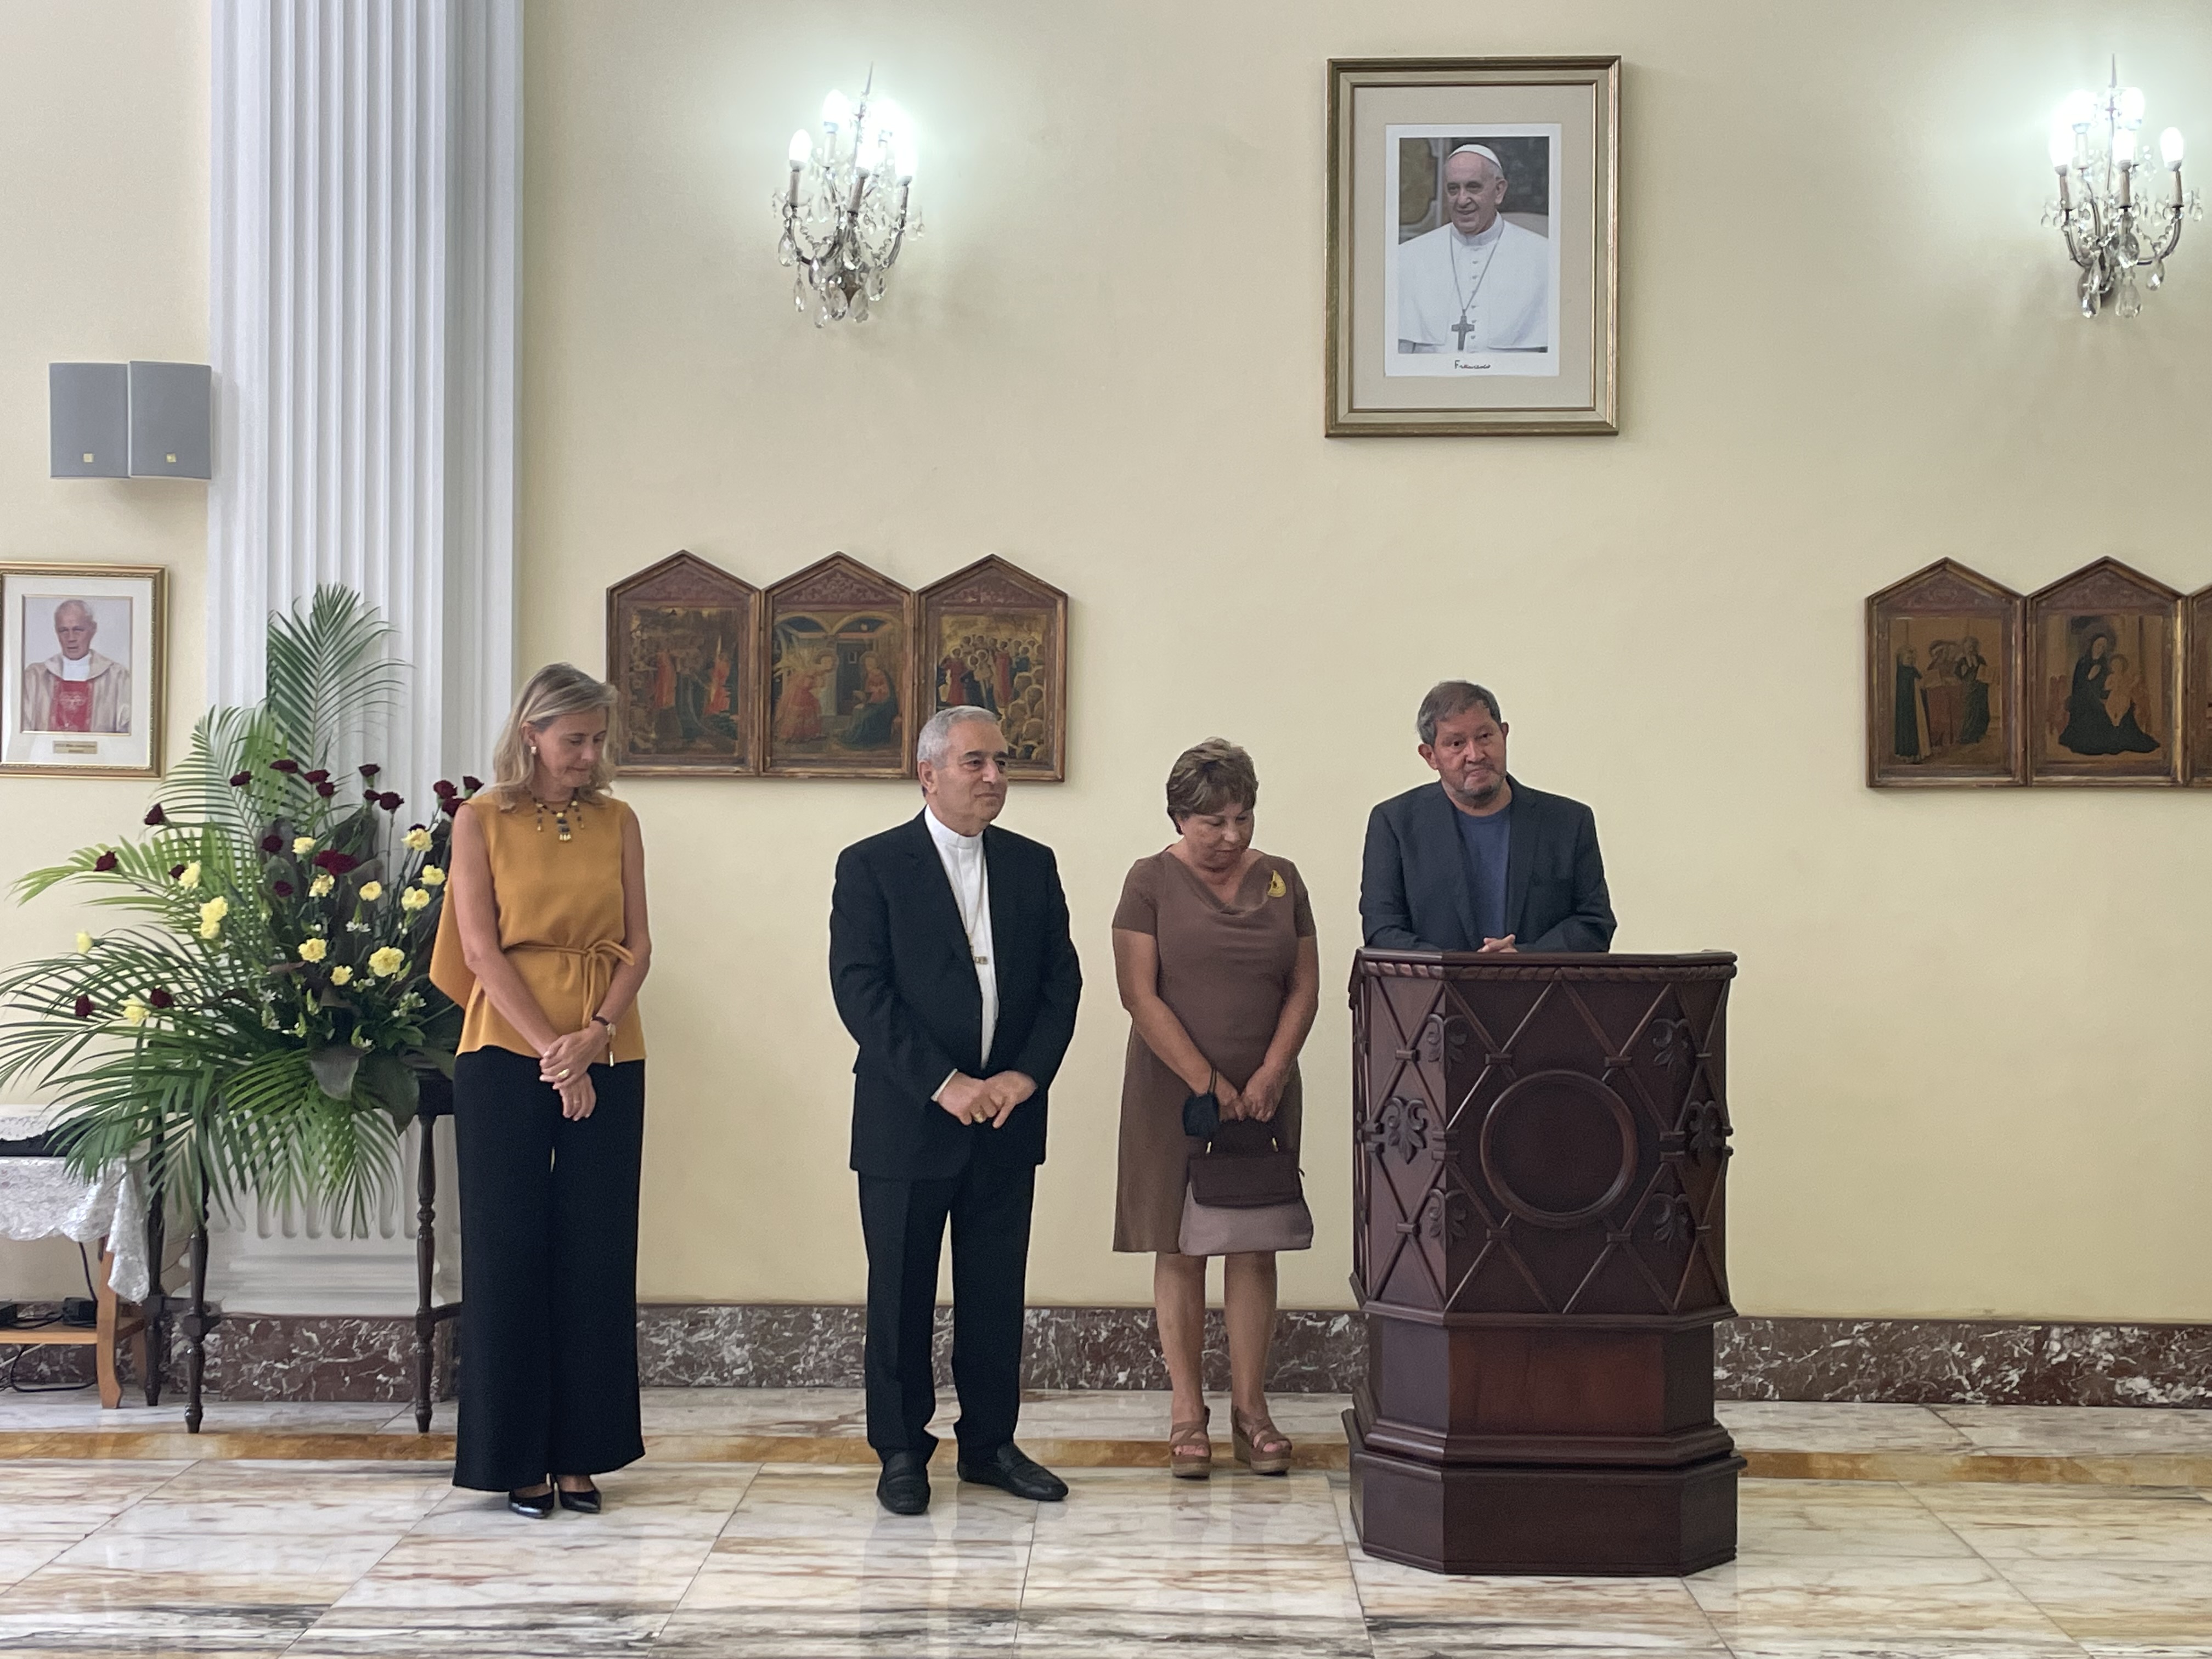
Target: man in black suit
{"type": "Point", "coordinates": [1484, 862]}
{"type": "Point", "coordinates": [951, 965]}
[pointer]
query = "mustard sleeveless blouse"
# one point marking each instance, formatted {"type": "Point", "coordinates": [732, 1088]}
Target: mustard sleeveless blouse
{"type": "Point", "coordinates": [559, 907]}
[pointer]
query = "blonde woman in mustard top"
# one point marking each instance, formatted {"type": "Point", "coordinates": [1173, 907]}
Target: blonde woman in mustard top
{"type": "Point", "coordinates": [544, 944]}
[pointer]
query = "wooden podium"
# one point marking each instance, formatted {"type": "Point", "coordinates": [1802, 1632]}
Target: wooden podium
{"type": "Point", "coordinates": [1540, 1155]}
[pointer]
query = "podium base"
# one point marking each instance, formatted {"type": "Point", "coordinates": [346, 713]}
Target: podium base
{"type": "Point", "coordinates": [1534, 1518]}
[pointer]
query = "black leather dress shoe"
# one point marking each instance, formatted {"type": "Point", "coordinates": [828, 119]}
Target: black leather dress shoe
{"type": "Point", "coordinates": [536, 1505]}
{"type": "Point", "coordinates": [586, 1502]}
{"type": "Point", "coordinates": [903, 1486]}
{"type": "Point", "coordinates": [1009, 1470]}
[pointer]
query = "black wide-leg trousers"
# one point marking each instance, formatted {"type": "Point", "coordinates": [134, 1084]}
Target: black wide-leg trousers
{"type": "Point", "coordinates": [548, 1265]}
{"type": "Point", "coordinates": [904, 1223]}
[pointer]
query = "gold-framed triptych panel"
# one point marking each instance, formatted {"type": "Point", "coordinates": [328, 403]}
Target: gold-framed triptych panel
{"type": "Point", "coordinates": [1943, 679]}
{"type": "Point", "coordinates": [2197, 689]}
{"type": "Point", "coordinates": [994, 636]}
{"type": "Point", "coordinates": [2103, 696]}
{"type": "Point", "coordinates": [838, 676]}
{"type": "Point", "coordinates": [683, 657]}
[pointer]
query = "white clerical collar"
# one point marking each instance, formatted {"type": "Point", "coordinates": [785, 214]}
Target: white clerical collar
{"type": "Point", "coordinates": [1482, 238]}
{"type": "Point", "coordinates": [950, 840]}
{"type": "Point", "coordinates": [77, 668]}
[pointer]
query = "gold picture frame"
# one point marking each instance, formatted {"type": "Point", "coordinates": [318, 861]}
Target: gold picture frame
{"type": "Point", "coordinates": [106, 721]}
{"type": "Point", "coordinates": [1424, 337]}
{"type": "Point", "coordinates": [1944, 678]}
{"type": "Point", "coordinates": [994, 637]}
{"type": "Point", "coordinates": [837, 671]}
{"type": "Point", "coordinates": [2197, 689]}
{"type": "Point", "coordinates": [683, 653]}
{"type": "Point", "coordinates": [2103, 696]}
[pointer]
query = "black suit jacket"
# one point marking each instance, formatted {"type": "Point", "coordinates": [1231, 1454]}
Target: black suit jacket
{"type": "Point", "coordinates": [905, 987]}
{"type": "Point", "coordinates": [1414, 894]}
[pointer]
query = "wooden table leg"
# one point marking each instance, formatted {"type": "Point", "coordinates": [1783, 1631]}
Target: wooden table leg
{"type": "Point", "coordinates": [197, 1321]}
{"type": "Point", "coordinates": [103, 1325]}
{"type": "Point", "coordinates": [154, 1342]}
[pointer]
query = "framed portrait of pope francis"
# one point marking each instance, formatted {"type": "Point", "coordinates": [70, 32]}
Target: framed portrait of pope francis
{"type": "Point", "coordinates": [81, 669]}
{"type": "Point", "coordinates": [1472, 263]}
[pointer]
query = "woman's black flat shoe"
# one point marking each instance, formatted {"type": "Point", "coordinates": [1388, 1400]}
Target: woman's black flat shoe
{"type": "Point", "coordinates": [536, 1505]}
{"type": "Point", "coordinates": [586, 1502]}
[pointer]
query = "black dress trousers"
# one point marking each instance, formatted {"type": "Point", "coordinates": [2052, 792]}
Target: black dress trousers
{"type": "Point", "coordinates": [904, 1223]}
{"type": "Point", "coordinates": [549, 1263]}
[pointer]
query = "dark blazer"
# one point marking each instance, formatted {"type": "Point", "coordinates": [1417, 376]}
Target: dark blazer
{"type": "Point", "coordinates": [905, 987]}
{"type": "Point", "coordinates": [1414, 889]}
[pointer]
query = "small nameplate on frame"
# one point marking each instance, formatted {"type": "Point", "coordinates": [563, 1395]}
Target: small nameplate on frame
{"type": "Point", "coordinates": [64, 746]}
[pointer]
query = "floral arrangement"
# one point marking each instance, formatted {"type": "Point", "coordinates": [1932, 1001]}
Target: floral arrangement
{"type": "Point", "coordinates": [263, 1026]}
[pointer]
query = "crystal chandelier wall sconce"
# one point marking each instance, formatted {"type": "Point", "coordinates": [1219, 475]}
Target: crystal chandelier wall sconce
{"type": "Point", "coordinates": [2115, 221]}
{"type": "Point", "coordinates": [847, 210]}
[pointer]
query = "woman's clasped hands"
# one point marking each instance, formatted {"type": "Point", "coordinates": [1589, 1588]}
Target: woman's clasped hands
{"type": "Point", "coordinates": [566, 1067]}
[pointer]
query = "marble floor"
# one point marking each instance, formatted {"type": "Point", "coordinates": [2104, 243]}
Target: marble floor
{"type": "Point", "coordinates": [795, 1561]}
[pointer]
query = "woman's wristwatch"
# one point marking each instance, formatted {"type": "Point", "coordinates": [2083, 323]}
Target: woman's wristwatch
{"type": "Point", "coordinates": [602, 1020]}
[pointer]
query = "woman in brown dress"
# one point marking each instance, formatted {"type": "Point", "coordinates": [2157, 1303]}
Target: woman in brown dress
{"type": "Point", "coordinates": [1213, 949]}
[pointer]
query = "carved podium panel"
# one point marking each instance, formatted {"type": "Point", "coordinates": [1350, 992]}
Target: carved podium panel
{"type": "Point", "coordinates": [1539, 1195]}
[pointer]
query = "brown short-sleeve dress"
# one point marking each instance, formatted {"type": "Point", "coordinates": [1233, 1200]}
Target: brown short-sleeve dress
{"type": "Point", "coordinates": [1226, 971]}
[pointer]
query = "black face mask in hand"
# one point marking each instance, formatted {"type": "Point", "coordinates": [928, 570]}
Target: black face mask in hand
{"type": "Point", "coordinates": [1201, 1116]}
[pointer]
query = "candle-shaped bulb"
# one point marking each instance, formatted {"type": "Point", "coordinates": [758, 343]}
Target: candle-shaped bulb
{"type": "Point", "coordinates": [2123, 147]}
{"type": "Point", "coordinates": [2062, 144]}
{"type": "Point", "coordinates": [2131, 105]}
{"type": "Point", "coordinates": [837, 110]}
{"type": "Point", "coordinates": [2079, 110]}
{"type": "Point", "coordinates": [2169, 146]}
{"type": "Point", "coordinates": [802, 147]}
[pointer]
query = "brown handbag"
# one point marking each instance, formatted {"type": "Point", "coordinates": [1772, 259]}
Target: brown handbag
{"type": "Point", "coordinates": [1244, 1167]}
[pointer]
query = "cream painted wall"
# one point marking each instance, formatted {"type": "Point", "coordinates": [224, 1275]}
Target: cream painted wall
{"type": "Point", "coordinates": [1971, 1057]}
{"type": "Point", "coordinates": [103, 258]}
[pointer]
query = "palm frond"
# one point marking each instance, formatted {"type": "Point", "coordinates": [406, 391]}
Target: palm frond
{"type": "Point", "coordinates": [327, 671]}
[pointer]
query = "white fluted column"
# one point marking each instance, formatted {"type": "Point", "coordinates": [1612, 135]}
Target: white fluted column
{"type": "Point", "coordinates": [366, 163]}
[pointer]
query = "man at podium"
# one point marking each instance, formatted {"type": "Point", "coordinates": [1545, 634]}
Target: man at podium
{"type": "Point", "coordinates": [1479, 861]}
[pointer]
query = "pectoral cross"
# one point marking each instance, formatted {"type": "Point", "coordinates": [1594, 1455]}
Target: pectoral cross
{"type": "Point", "coordinates": [1461, 329]}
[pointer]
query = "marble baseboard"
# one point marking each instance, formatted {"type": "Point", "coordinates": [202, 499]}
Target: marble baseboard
{"type": "Point", "coordinates": [1900, 1361]}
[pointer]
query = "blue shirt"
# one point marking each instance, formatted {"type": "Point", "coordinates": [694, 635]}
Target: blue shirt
{"type": "Point", "coordinates": [1487, 841]}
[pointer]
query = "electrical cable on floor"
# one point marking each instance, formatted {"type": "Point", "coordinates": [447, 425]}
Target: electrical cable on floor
{"type": "Point", "coordinates": [8, 1383]}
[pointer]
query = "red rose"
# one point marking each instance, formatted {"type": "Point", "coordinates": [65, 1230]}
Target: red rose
{"type": "Point", "coordinates": [287, 766]}
{"type": "Point", "coordinates": [157, 816]}
{"type": "Point", "coordinates": [371, 769]}
{"type": "Point", "coordinates": [82, 1008]}
{"type": "Point", "coordinates": [442, 788]}
{"type": "Point", "coordinates": [104, 863]}
{"type": "Point", "coordinates": [336, 862]}
{"type": "Point", "coordinates": [282, 889]}
{"type": "Point", "coordinates": [158, 998]}
{"type": "Point", "coordinates": [390, 802]}
{"type": "Point", "coordinates": [327, 790]}
{"type": "Point", "coordinates": [471, 784]}
{"type": "Point", "coordinates": [240, 780]}
{"type": "Point", "coordinates": [272, 842]}
{"type": "Point", "coordinates": [318, 776]}
{"type": "Point", "coordinates": [447, 803]}
{"type": "Point", "coordinates": [176, 870]}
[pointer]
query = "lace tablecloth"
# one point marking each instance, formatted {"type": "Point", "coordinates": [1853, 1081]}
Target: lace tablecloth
{"type": "Point", "coordinates": [40, 1199]}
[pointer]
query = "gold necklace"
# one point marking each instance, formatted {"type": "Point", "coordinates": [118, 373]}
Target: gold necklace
{"type": "Point", "coordinates": [559, 815]}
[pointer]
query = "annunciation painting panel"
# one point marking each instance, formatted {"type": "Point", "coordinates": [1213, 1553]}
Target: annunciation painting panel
{"type": "Point", "coordinates": [2197, 689]}
{"type": "Point", "coordinates": [682, 646]}
{"type": "Point", "coordinates": [996, 637]}
{"type": "Point", "coordinates": [2103, 678]}
{"type": "Point", "coordinates": [1943, 676]}
{"type": "Point", "coordinates": [839, 673]}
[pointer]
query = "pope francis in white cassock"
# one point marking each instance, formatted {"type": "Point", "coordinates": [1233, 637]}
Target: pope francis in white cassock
{"type": "Point", "coordinates": [1477, 282]}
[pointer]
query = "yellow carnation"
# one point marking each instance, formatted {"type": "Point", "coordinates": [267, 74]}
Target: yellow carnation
{"type": "Point", "coordinates": [388, 961]}
{"type": "Point", "coordinates": [302, 845]}
{"type": "Point", "coordinates": [433, 876]}
{"type": "Point", "coordinates": [84, 944]}
{"type": "Point", "coordinates": [414, 899]}
{"type": "Point", "coordinates": [416, 840]}
{"type": "Point", "coordinates": [135, 1012]}
{"type": "Point", "coordinates": [314, 949]}
{"type": "Point", "coordinates": [341, 975]}
{"type": "Point", "coordinates": [371, 891]}
{"type": "Point", "coordinates": [211, 915]}
{"type": "Point", "coordinates": [190, 875]}
{"type": "Point", "coordinates": [321, 885]}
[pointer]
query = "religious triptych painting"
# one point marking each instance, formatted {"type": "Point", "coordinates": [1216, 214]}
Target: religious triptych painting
{"type": "Point", "coordinates": [1472, 249]}
{"type": "Point", "coordinates": [841, 674]}
{"type": "Point", "coordinates": [81, 669]}
{"type": "Point", "coordinates": [995, 637]}
{"type": "Point", "coordinates": [682, 646]}
{"type": "Point", "coordinates": [2197, 688]}
{"type": "Point", "coordinates": [1943, 656]}
{"type": "Point", "coordinates": [2104, 655]}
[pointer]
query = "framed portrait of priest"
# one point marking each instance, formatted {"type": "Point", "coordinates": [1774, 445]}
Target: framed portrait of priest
{"type": "Point", "coordinates": [81, 669]}
{"type": "Point", "coordinates": [2197, 689]}
{"type": "Point", "coordinates": [996, 637]}
{"type": "Point", "coordinates": [1472, 246]}
{"type": "Point", "coordinates": [2103, 678]}
{"type": "Point", "coordinates": [683, 650]}
{"type": "Point", "coordinates": [1943, 673]}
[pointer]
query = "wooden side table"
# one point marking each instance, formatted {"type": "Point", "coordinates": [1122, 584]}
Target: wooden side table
{"type": "Point", "coordinates": [117, 1321]}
